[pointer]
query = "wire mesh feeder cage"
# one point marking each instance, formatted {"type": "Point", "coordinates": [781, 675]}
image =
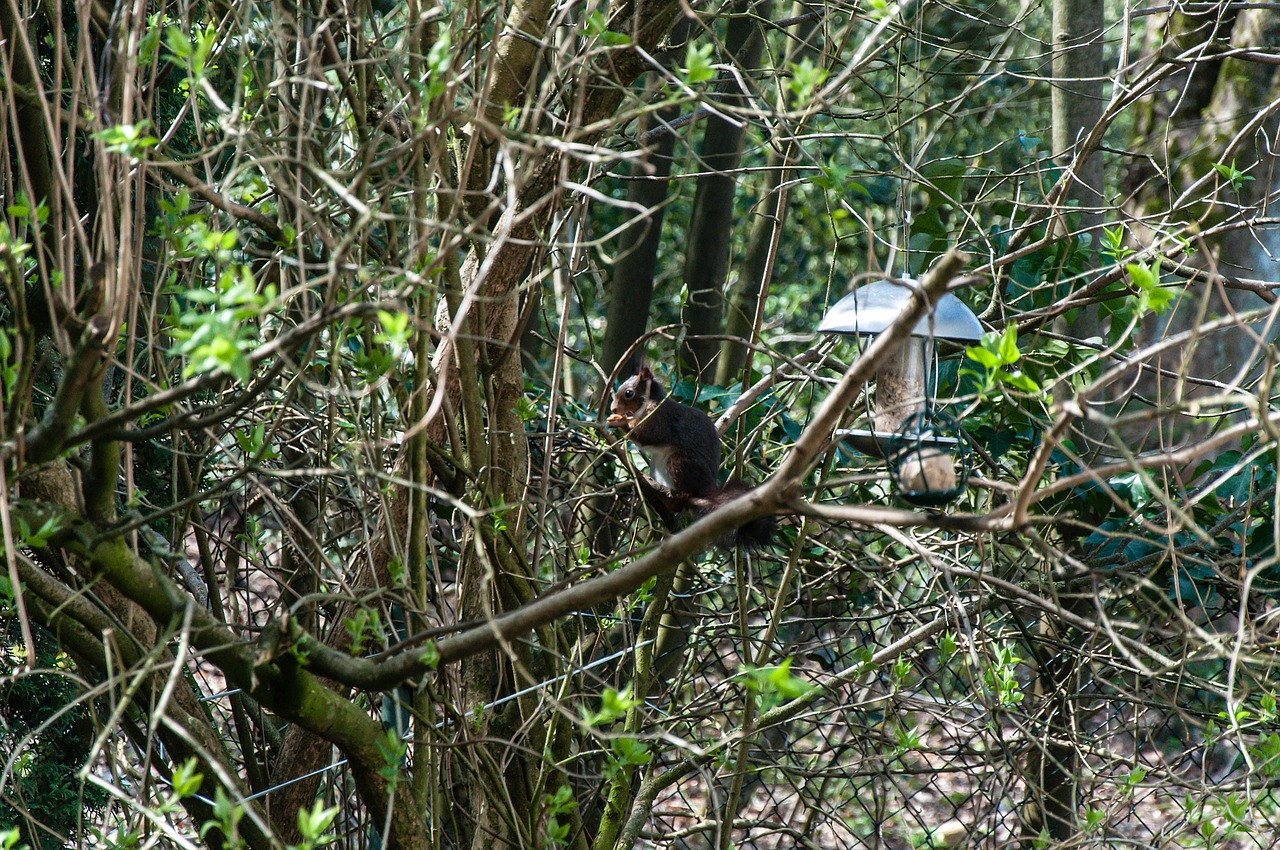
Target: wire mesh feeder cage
{"type": "Point", "coordinates": [930, 460]}
{"type": "Point", "coordinates": [928, 456]}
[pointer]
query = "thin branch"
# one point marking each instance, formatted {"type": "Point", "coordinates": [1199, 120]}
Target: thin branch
{"type": "Point", "coordinates": [222, 202]}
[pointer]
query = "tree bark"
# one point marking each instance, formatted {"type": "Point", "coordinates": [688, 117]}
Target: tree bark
{"type": "Point", "coordinates": [1204, 119]}
{"type": "Point", "coordinates": [1077, 100]}
{"type": "Point", "coordinates": [634, 267]}
{"type": "Point", "coordinates": [1052, 767]}
{"type": "Point", "coordinates": [711, 224]}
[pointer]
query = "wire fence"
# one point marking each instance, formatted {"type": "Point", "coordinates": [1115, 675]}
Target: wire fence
{"type": "Point", "coordinates": [1044, 708]}
{"type": "Point", "coordinates": [1086, 659]}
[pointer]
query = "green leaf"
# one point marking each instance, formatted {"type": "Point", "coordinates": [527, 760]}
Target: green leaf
{"type": "Point", "coordinates": [597, 24]}
{"type": "Point", "coordinates": [39, 537]}
{"type": "Point", "coordinates": [561, 801]}
{"type": "Point", "coordinates": [806, 78]}
{"type": "Point", "coordinates": [789, 686]}
{"type": "Point", "coordinates": [1237, 809]}
{"type": "Point", "coordinates": [1141, 276]}
{"type": "Point", "coordinates": [775, 684]}
{"type": "Point", "coordinates": [1023, 382]}
{"type": "Point", "coordinates": [900, 670]}
{"type": "Point", "coordinates": [178, 43]}
{"type": "Point", "coordinates": [206, 37]}
{"type": "Point", "coordinates": [630, 751]}
{"type": "Point", "coordinates": [128, 139]}
{"type": "Point", "coordinates": [361, 625]}
{"type": "Point", "coordinates": [982, 356]}
{"type": "Point", "coordinates": [1133, 487]}
{"type": "Point", "coordinates": [439, 64]}
{"type": "Point", "coordinates": [226, 816]}
{"type": "Point", "coordinates": [698, 64]}
{"type": "Point", "coordinates": [1008, 346]}
{"type": "Point", "coordinates": [393, 750]}
{"type": "Point", "coordinates": [613, 705]}
{"type": "Point", "coordinates": [1266, 755]}
{"type": "Point", "coordinates": [312, 824]}
{"type": "Point", "coordinates": [1113, 246]}
{"type": "Point", "coordinates": [186, 781]}
{"type": "Point", "coordinates": [1151, 295]}
{"type": "Point", "coordinates": [944, 180]}
{"type": "Point", "coordinates": [395, 329]}
{"type": "Point", "coordinates": [1232, 175]}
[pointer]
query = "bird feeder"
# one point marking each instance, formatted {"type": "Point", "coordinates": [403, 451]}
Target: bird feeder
{"type": "Point", "coordinates": [929, 459]}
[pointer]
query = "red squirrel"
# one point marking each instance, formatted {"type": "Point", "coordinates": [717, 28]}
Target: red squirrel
{"type": "Point", "coordinates": [683, 450]}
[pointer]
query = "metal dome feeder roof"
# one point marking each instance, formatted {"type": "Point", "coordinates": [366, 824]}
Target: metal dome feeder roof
{"type": "Point", "coordinates": [870, 309]}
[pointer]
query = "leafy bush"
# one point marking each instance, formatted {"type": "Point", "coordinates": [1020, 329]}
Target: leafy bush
{"type": "Point", "coordinates": [46, 730]}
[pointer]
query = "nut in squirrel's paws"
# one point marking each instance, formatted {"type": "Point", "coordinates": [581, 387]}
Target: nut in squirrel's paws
{"type": "Point", "coordinates": [618, 420]}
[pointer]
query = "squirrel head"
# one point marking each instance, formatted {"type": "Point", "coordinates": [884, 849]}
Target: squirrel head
{"type": "Point", "coordinates": [640, 389]}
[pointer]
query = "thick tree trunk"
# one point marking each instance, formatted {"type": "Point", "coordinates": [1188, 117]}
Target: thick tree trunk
{"type": "Point", "coordinates": [1052, 767]}
{"type": "Point", "coordinates": [1078, 99]}
{"type": "Point", "coordinates": [634, 267]}
{"type": "Point", "coordinates": [1195, 125]}
{"type": "Point", "coordinates": [711, 225]}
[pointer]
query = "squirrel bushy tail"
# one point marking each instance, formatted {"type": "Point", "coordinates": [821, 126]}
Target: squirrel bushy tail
{"type": "Point", "coordinates": [754, 534]}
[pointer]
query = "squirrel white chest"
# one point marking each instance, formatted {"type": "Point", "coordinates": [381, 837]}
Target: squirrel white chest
{"type": "Point", "coordinates": [659, 458]}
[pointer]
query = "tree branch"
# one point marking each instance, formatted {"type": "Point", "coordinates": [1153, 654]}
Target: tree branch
{"type": "Point", "coordinates": [48, 440]}
{"type": "Point", "coordinates": [276, 680]}
{"type": "Point", "coordinates": [220, 201]}
{"type": "Point", "coordinates": [770, 497]}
